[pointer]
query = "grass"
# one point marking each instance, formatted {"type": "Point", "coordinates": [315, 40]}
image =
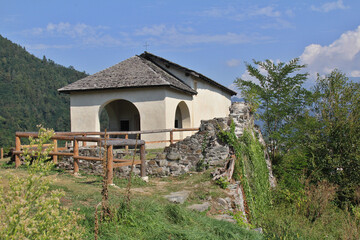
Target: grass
{"type": "Point", "coordinates": [150, 216]}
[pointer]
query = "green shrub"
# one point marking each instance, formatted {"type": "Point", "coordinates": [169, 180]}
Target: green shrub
{"type": "Point", "coordinates": [28, 209]}
{"type": "Point", "coordinates": [222, 182]}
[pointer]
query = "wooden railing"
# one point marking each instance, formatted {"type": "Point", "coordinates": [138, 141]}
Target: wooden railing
{"type": "Point", "coordinates": [99, 139]}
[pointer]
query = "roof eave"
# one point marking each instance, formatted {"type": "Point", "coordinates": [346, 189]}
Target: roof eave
{"type": "Point", "coordinates": [68, 91]}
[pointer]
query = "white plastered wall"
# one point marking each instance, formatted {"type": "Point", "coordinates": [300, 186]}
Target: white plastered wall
{"type": "Point", "coordinates": [157, 107]}
{"type": "Point", "coordinates": [85, 109]}
{"type": "Point", "coordinates": [210, 102]}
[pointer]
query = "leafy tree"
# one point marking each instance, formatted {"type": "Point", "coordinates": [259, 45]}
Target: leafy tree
{"type": "Point", "coordinates": [332, 135]}
{"type": "Point", "coordinates": [279, 95]}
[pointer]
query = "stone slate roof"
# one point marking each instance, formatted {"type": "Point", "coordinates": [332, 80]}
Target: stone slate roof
{"type": "Point", "coordinates": [135, 72]}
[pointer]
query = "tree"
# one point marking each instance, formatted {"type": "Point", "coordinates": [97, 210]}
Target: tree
{"type": "Point", "coordinates": [279, 95]}
{"type": "Point", "coordinates": [332, 139]}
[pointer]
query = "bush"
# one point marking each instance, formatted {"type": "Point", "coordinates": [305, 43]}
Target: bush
{"type": "Point", "coordinates": [28, 209]}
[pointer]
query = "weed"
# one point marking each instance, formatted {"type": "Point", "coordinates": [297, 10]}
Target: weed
{"type": "Point", "coordinates": [222, 182]}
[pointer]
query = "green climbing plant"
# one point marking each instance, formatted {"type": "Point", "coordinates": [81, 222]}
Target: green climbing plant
{"type": "Point", "coordinates": [250, 169]}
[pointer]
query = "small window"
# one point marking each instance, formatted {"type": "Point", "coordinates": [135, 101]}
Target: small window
{"type": "Point", "coordinates": [176, 123]}
{"type": "Point", "coordinates": [124, 125]}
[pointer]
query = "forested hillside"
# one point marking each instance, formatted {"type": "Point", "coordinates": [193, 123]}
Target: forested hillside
{"type": "Point", "coordinates": [28, 92]}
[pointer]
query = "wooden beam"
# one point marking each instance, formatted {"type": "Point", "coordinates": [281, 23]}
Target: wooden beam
{"type": "Point", "coordinates": [76, 154]}
{"type": "Point", "coordinates": [1, 153]}
{"type": "Point", "coordinates": [84, 142]}
{"type": "Point", "coordinates": [142, 158]}
{"type": "Point", "coordinates": [17, 148]}
{"type": "Point", "coordinates": [55, 157]}
{"type": "Point", "coordinates": [86, 158]}
{"type": "Point", "coordinates": [126, 147]}
{"type": "Point", "coordinates": [122, 142]}
{"type": "Point", "coordinates": [171, 137]}
{"type": "Point", "coordinates": [110, 167]}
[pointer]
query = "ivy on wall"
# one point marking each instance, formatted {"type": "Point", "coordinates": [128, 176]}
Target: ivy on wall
{"type": "Point", "coordinates": [250, 169]}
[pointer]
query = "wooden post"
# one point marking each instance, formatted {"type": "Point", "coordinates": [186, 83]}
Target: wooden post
{"type": "Point", "coordinates": [126, 147]}
{"type": "Point", "coordinates": [76, 153]}
{"type": "Point", "coordinates": [17, 148]}
{"type": "Point", "coordinates": [142, 158]}
{"type": "Point", "coordinates": [2, 153]}
{"type": "Point", "coordinates": [84, 142]}
{"type": "Point", "coordinates": [110, 167]}
{"type": "Point", "coordinates": [171, 137]}
{"type": "Point", "coordinates": [55, 157]}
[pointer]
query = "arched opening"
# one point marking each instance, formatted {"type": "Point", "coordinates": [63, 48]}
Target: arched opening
{"type": "Point", "coordinates": [120, 115]}
{"type": "Point", "coordinates": [182, 116]}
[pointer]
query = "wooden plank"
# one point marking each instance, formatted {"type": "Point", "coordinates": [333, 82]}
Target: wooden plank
{"type": "Point", "coordinates": [35, 134]}
{"type": "Point", "coordinates": [136, 162]}
{"type": "Point", "coordinates": [87, 158]}
{"type": "Point", "coordinates": [126, 147]}
{"type": "Point", "coordinates": [185, 129]}
{"type": "Point", "coordinates": [55, 157]}
{"type": "Point", "coordinates": [171, 137]}
{"type": "Point", "coordinates": [161, 141]}
{"type": "Point", "coordinates": [121, 160]}
{"type": "Point", "coordinates": [50, 153]}
{"type": "Point", "coordinates": [142, 159]}
{"type": "Point", "coordinates": [110, 167]}
{"type": "Point", "coordinates": [17, 148]}
{"type": "Point", "coordinates": [84, 142]}
{"type": "Point", "coordinates": [1, 153]}
{"type": "Point", "coordinates": [35, 146]}
{"type": "Point", "coordinates": [122, 142]}
{"type": "Point", "coordinates": [76, 154]}
{"type": "Point", "coordinates": [61, 153]}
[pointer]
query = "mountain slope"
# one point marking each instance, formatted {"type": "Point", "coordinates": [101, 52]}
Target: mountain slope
{"type": "Point", "coordinates": [28, 92]}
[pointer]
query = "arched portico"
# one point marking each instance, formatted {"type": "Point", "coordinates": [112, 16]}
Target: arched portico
{"type": "Point", "coordinates": [122, 115]}
{"type": "Point", "coordinates": [182, 116]}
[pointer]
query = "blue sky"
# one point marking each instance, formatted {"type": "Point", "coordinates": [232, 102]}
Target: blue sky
{"type": "Point", "coordinates": [213, 37]}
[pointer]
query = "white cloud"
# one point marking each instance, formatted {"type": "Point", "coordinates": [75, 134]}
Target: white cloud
{"type": "Point", "coordinates": [329, 6]}
{"type": "Point", "coordinates": [80, 35]}
{"type": "Point", "coordinates": [73, 30]}
{"type": "Point", "coordinates": [179, 36]}
{"type": "Point", "coordinates": [217, 12]}
{"type": "Point", "coordinates": [233, 62]}
{"type": "Point", "coordinates": [343, 53]}
{"type": "Point", "coordinates": [154, 30]}
{"type": "Point", "coordinates": [46, 46]}
{"type": "Point", "coordinates": [265, 11]}
{"type": "Point", "coordinates": [278, 23]}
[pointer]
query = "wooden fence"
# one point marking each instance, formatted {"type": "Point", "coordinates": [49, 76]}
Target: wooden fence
{"type": "Point", "coordinates": [100, 139]}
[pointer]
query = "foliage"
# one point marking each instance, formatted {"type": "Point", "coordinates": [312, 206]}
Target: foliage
{"type": "Point", "coordinates": [251, 170]}
{"type": "Point", "coordinates": [222, 182]}
{"type": "Point", "coordinates": [241, 220]}
{"type": "Point", "coordinates": [316, 217]}
{"type": "Point", "coordinates": [28, 92]}
{"type": "Point", "coordinates": [28, 210]}
{"type": "Point", "coordinates": [334, 143]}
{"type": "Point", "coordinates": [279, 96]}
{"type": "Point", "coordinates": [326, 141]}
